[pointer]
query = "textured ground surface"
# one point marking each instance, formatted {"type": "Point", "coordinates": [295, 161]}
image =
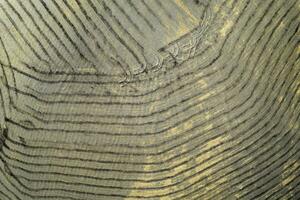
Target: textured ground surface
{"type": "Point", "coordinates": [149, 99]}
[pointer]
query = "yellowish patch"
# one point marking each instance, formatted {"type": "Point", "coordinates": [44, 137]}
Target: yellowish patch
{"type": "Point", "coordinates": [210, 153]}
{"type": "Point", "coordinates": [202, 83]}
{"type": "Point", "coordinates": [298, 92]}
{"type": "Point", "coordinates": [208, 127]}
{"type": "Point", "coordinates": [281, 25]}
{"type": "Point", "coordinates": [182, 30]}
{"type": "Point", "coordinates": [66, 10]}
{"type": "Point", "coordinates": [289, 171]}
{"type": "Point", "coordinates": [214, 142]}
{"type": "Point", "coordinates": [153, 106]}
{"type": "Point", "coordinates": [87, 70]}
{"type": "Point", "coordinates": [181, 128]}
{"type": "Point", "coordinates": [181, 5]}
{"type": "Point", "coordinates": [280, 98]}
{"type": "Point", "coordinates": [288, 180]}
{"type": "Point", "coordinates": [216, 8]}
{"type": "Point", "coordinates": [224, 30]}
{"type": "Point", "coordinates": [236, 11]}
{"type": "Point", "coordinates": [288, 167]}
{"type": "Point", "coordinates": [298, 50]}
{"type": "Point", "coordinates": [188, 125]}
{"type": "Point", "coordinates": [205, 96]}
{"type": "Point", "coordinates": [204, 166]}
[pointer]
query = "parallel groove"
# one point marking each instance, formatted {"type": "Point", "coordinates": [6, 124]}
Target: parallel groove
{"type": "Point", "coordinates": [93, 120]}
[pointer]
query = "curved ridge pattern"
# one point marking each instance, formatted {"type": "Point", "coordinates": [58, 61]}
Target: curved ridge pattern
{"type": "Point", "coordinates": [149, 99]}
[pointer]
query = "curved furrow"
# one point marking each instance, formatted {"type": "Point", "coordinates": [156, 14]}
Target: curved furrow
{"type": "Point", "coordinates": [159, 162]}
{"type": "Point", "coordinates": [149, 100]}
{"type": "Point", "coordinates": [72, 81]}
{"type": "Point", "coordinates": [272, 103]}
